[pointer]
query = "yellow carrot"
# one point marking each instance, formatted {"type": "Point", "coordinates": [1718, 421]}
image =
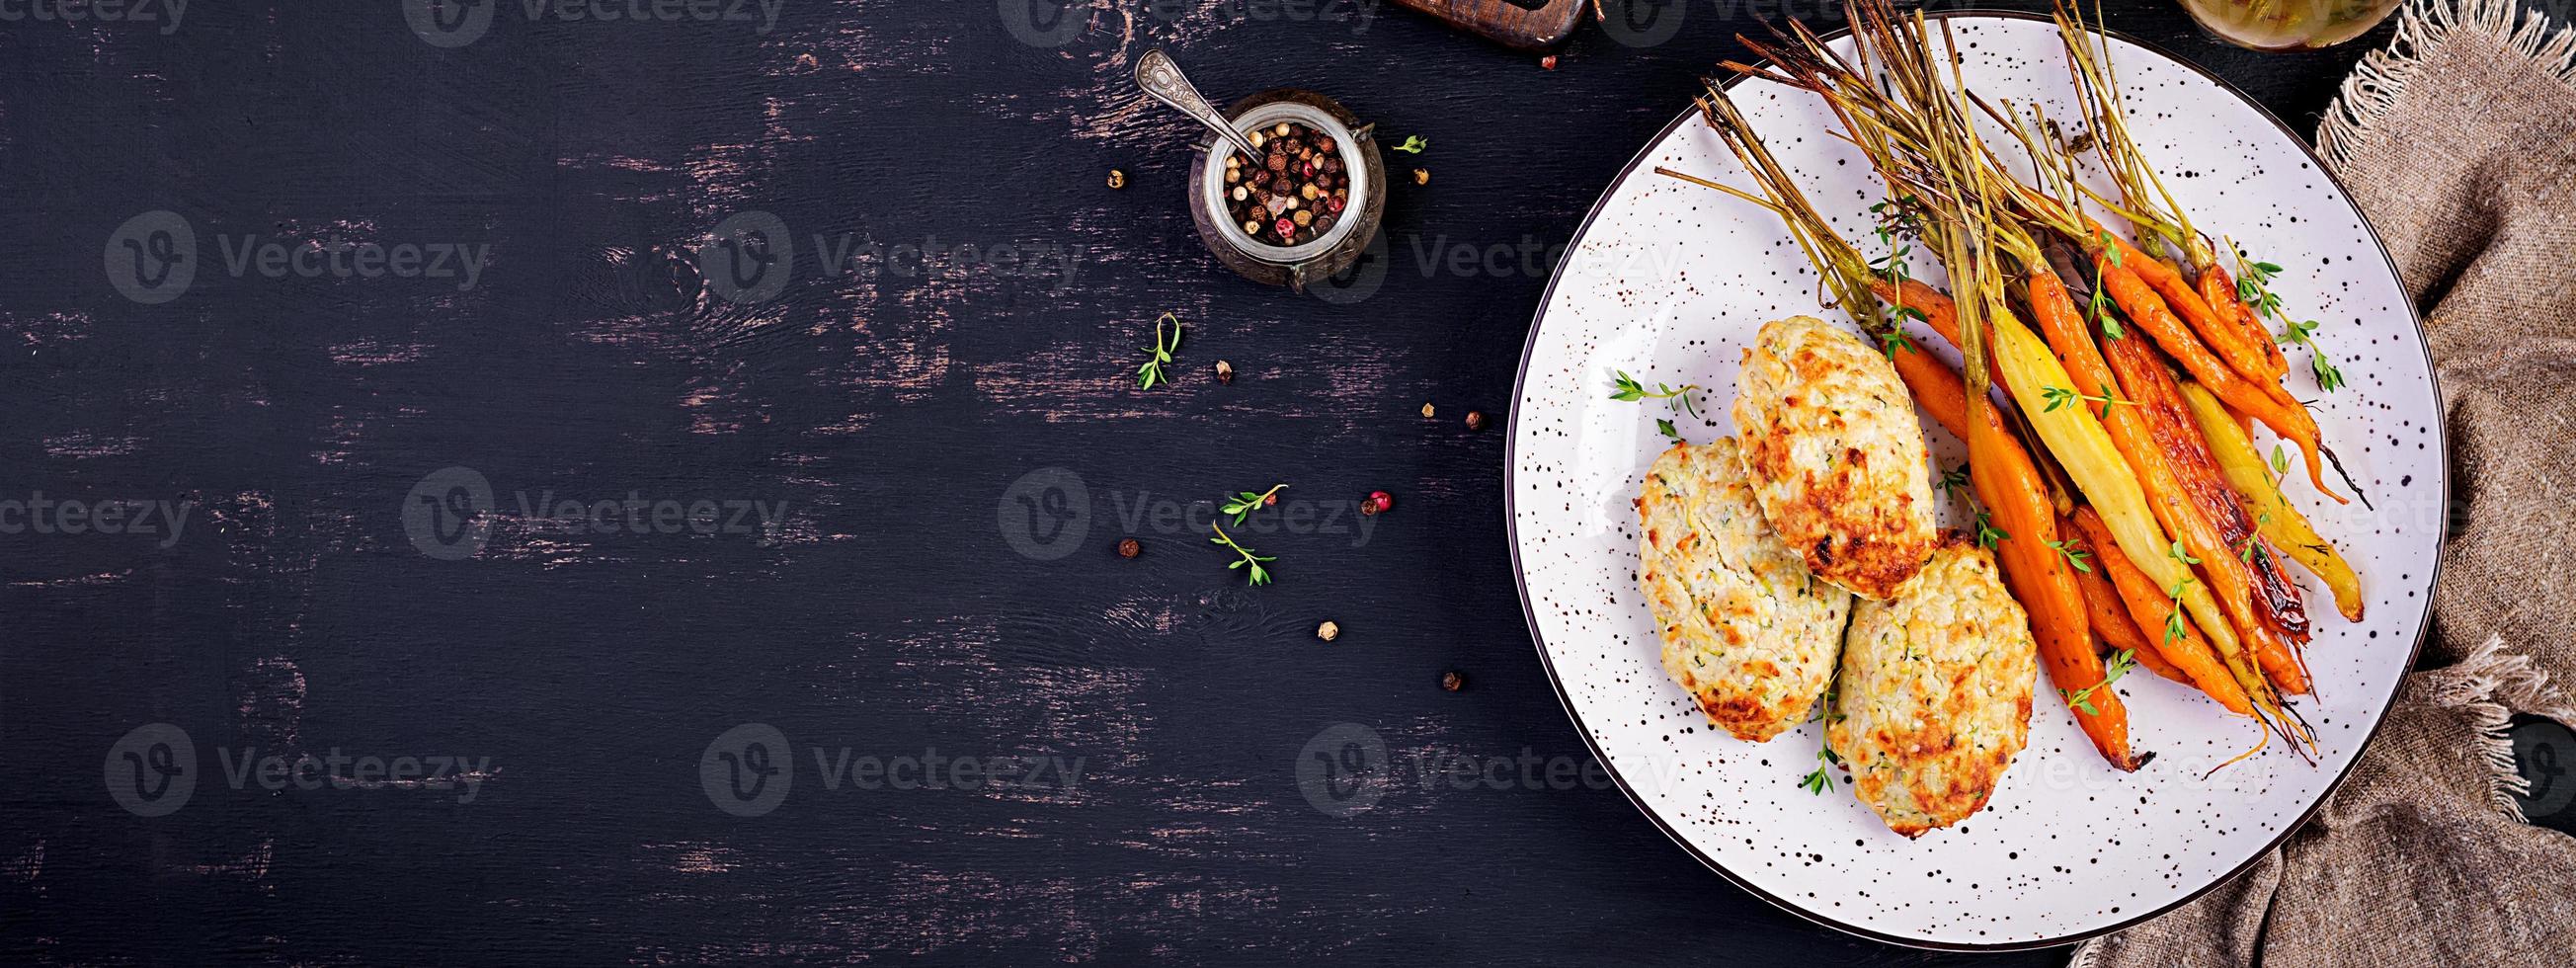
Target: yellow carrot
{"type": "Point", "coordinates": [2273, 516]}
{"type": "Point", "coordinates": [2086, 450]}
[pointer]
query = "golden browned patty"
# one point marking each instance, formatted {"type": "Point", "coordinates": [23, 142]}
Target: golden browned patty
{"type": "Point", "coordinates": [1836, 455]}
{"type": "Point", "coordinates": [1934, 698]}
{"type": "Point", "coordinates": [1745, 628]}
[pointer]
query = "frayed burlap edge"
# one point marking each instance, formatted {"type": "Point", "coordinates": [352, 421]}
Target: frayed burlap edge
{"type": "Point", "coordinates": [2488, 687]}
{"type": "Point", "coordinates": [2376, 84]}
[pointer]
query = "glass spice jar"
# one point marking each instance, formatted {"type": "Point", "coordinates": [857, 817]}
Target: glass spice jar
{"type": "Point", "coordinates": [1306, 207]}
{"type": "Point", "coordinates": [2289, 24]}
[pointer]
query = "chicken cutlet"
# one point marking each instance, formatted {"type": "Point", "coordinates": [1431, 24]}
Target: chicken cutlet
{"type": "Point", "coordinates": [1836, 455]}
{"type": "Point", "coordinates": [1934, 696]}
{"type": "Point", "coordinates": [1745, 628]}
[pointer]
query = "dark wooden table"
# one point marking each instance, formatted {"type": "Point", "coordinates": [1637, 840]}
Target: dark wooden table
{"type": "Point", "coordinates": [914, 473]}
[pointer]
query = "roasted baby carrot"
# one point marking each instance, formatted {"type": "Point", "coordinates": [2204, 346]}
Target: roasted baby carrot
{"type": "Point", "coordinates": [2148, 310]}
{"type": "Point", "coordinates": [2108, 616]}
{"type": "Point", "coordinates": [2155, 663]}
{"type": "Point", "coordinates": [2153, 460]}
{"type": "Point", "coordinates": [2007, 484]}
{"type": "Point", "coordinates": [2272, 513]}
{"type": "Point", "coordinates": [2008, 487]}
{"type": "Point", "coordinates": [2219, 291]}
{"type": "Point", "coordinates": [2173, 635]}
{"type": "Point", "coordinates": [2216, 322]}
{"type": "Point", "coordinates": [2157, 402]}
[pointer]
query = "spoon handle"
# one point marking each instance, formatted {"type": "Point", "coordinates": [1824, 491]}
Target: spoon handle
{"type": "Point", "coordinates": [1162, 79]}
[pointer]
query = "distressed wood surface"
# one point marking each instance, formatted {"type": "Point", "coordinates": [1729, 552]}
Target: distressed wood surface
{"type": "Point", "coordinates": [877, 432]}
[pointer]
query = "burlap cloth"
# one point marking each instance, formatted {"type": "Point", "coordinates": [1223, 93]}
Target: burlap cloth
{"type": "Point", "coordinates": [2459, 143]}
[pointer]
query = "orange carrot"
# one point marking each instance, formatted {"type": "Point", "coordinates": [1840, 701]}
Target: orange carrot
{"type": "Point", "coordinates": [2215, 322]}
{"type": "Point", "coordinates": [2159, 404]}
{"type": "Point", "coordinates": [2149, 312]}
{"type": "Point", "coordinates": [1941, 391]}
{"type": "Point", "coordinates": [2108, 616]}
{"type": "Point", "coordinates": [2153, 610]}
{"type": "Point", "coordinates": [2279, 664]}
{"type": "Point", "coordinates": [2219, 291]}
{"type": "Point", "coordinates": [2007, 485]}
{"type": "Point", "coordinates": [1937, 389]}
{"type": "Point", "coordinates": [2153, 460]}
{"type": "Point", "coordinates": [2155, 663]}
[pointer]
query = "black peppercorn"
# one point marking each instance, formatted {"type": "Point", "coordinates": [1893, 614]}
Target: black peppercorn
{"type": "Point", "coordinates": [1453, 681]}
{"type": "Point", "coordinates": [1475, 420]}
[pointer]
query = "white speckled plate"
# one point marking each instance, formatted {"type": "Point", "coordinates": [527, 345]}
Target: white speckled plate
{"type": "Point", "coordinates": [1668, 281]}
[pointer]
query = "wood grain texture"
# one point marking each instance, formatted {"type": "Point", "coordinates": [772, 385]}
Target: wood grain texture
{"type": "Point", "coordinates": [885, 418]}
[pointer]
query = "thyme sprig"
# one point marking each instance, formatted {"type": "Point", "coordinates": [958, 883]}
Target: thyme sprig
{"type": "Point", "coordinates": [1152, 372]}
{"type": "Point", "coordinates": [2074, 555]}
{"type": "Point", "coordinates": [2173, 617]}
{"type": "Point", "coordinates": [1897, 221]}
{"type": "Point", "coordinates": [1246, 502]}
{"type": "Point", "coordinates": [1626, 388]}
{"type": "Point", "coordinates": [1820, 781]}
{"type": "Point", "coordinates": [1258, 575]}
{"type": "Point", "coordinates": [2253, 286]}
{"type": "Point", "coordinates": [2063, 397]}
{"type": "Point", "coordinates": [2121, 662]}
{"type": "Point", "coordinates": [1413, 144]}
{"type": "Point", "coordinates": [1987, 534]}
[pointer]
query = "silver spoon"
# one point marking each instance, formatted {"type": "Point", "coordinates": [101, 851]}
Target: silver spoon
{"type": "Point", "coordinates": [1164, 81]}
